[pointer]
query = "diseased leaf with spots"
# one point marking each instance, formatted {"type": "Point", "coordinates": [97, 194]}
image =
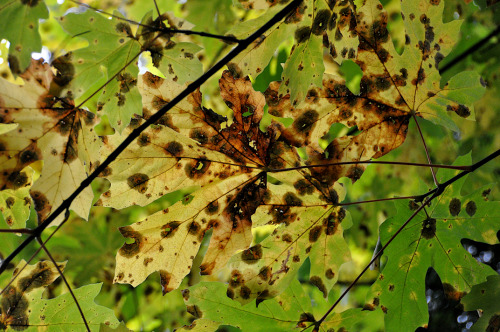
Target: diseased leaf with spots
{"type": "Point", "coordinates": [433, 241]}
{"type": "Point", "coordinates": [17, 299]}
{"type": "Point", "coordinates": [288, 312]}
{"type": "Point", "coordinates": [49, 129]}
{"type": "Point", "coordinates": [24, 38]}
{"type": "Point", "coordinates": [230, 162]}
{"type": "Point", "coordinates": [15, 203]}
{"type": "Point", "coordinates": [307, 225]}
{"type": "Point", "coordinates": [62, 314]}
{"type": "Point", "coordinates": [315, 26]}
{"type": "Point", "coordinates": [485, 296]}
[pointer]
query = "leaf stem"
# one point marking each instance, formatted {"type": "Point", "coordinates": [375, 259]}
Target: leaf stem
{"type": "Point", "coordinates": [155, 117]}
{"type": "Point", "coordinates": [65, 281]}
{"type": "Point", "coordinates": [426, 150]}
{"type": "Point", "coordinates": [17, 230]}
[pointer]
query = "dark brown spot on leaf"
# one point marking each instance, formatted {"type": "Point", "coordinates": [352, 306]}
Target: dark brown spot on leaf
{"type": "Point", "coordinates": [315, 233]}
{"type": "Point", "coordinates": [316, 281]}
{"type": "Point", "coordinates": [139, 182]}
{"type": "Point", "coordinates": [428, 228]}
{"type": "Point", "coordinates": [455, 207]}
{"type": "Point", "coordinates": [471, 208]}
{"type": "Point", "coordinates": [129, 250]}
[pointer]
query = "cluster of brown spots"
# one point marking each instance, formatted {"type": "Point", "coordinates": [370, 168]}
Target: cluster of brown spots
{"type": "Point", "coordinates": [292, 200]}
{"type": "Point", "coordinates": [296, 259]}
{"type": "Point", "coordinates": [318, 282]}
{"type": "Point", "coordinates": [194, 228]}
{"type": "Point", "coordinates": [471, 208]}
{"type": "Point", "coordinates": [252, 255]}
{"type": "Point", "coordinates": [152, 81]}
{"type": "Point", "coordinates": [303, 187]}
{"type": "Point", "coordinates": [461, 110]}
{"type": "Point", "coordinates": [428, 228]}
{"type": "Point", "coordinates": [455, 207]}
{"type": "Point", "coordinates": [147, 260]}
{"type": "Point", "coordinates": [169, 229]}
{"type": "Point", "coordinates": [129, 250]}
{"type": "Point", "coordinates": [305, 122]}
{"type": "Point", "coordinates": [245, 292]}
{"type": "Point", "coordinates": [199, 135]}
{"type": "Point", "coordinates": [17, 180]}
{"type": "Point", "coordinates": [282, 214]}
{"type": "Point", "coordinates": [139, 182]}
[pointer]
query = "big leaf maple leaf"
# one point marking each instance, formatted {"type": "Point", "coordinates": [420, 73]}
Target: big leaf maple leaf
{"type": "Point", "coordinates": [51, 129]}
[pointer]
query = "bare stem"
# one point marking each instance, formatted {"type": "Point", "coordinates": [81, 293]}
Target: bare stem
{"type": "Point", "coordinates": [65, 282]}
{"type": "Point", "coordinates": [426, 151]}
{"type": "Point", "coordinates": [17, 230]}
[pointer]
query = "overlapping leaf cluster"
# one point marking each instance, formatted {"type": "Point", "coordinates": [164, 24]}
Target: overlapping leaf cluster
{"type": "Point", "coordinates": [241, 176]}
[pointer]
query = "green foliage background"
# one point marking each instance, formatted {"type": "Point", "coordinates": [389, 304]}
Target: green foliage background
{"type": "Point", "coordinates": [90, 247]}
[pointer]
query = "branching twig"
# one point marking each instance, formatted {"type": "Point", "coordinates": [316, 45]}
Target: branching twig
{"type": "Point", "coordinates": [426, 150]}
{"type": "Point", "coordinates": [229, 39]}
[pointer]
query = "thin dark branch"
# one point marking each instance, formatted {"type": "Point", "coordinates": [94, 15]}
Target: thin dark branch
{"type": "Point", "coordinates": [374, 258]}
{"type": "Point", "coordinates": [17, 230]}
{"type": "Point", "coordinates": [377, 200]}
{"type": "Point", "coordinates": [229, 39]}
{"type": "Point", "coordinates": [460, 168]}
{"type": "Point", "coordinates": [65, 281]}
{"type": "Point", "coordinates": [157, 9]}
{"type": "Point", "coordinates": [426, 150]}
{"type": "Point", "coordinates": [426, 200]}
{"type": "Point", "coordinates": [155, 117]}
{"type": "Point", "coordinates": [470, 50]}
{"type": "Point", "coordinates": [472, 168]}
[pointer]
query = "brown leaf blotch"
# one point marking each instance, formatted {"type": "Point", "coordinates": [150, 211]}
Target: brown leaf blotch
{"type": "Point", "coordinates": [303, 187]}
{"type": "Point", "coordinates": [212, 208]}
{"type": "Point", "coordinates": [169, 229]}
{"type": "Point", "coordinates": [316, 281]}
{"type": "Point", "coordinates": [471, 208]}
{"type": "Point", "coordinates": [41, 276]}
{"type": "Point", "coordinates": [329, 274]}
{"type": "Point", "coordinates": [245, 292]}
{"type": "Point", "coordinates": [320, 22]}
{"type": "Point", "coordinates": [196, 168]}
{"type": "Point", "coordinates": [139, 182]}
{"type": "Point", "coordinates": [236, 279]}
{"type": "Point", "coordinates": [296, 258]}
{"type": "Point", "coordinates": [42, 205]}
{"type": "Point", "coordinates": [292, 200]}
{"type": "Point", "coordinates": [265, 273]}
{"type": "Point", "coordinates": [428, 228]}
{"type": "Point", "coordinates": [252, 254]}
{"type": "Point", "coordinates": [315, 233]}
{"type": "Point", "coordinates": [174, 148]}
{"type": "Point", "coordinates": [164, 281]}
{"type": "Point", "coordinates": [302, 34]}
{"type": "Point", "coordinates": [286, 238]}
{"type": "Point", "coordinates": [194, 228]}
{"type": "Point", "coordinates": [455, 207]}
{"type": "Point", "coordinates": [129, 250]}
{"type": "Point", "coordinates": [195, 311]}
{"type": "Point", "coordinates": [143, 140]}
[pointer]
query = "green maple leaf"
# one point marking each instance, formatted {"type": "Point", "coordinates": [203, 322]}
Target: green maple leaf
{"type": "Point", "coordinates": [290, 311]}
{"type": "Point", "coordinates": [485, 297]}
{"type": "Point", "coordinates": [62, 314]}
{"type": "Point", "coordinates": [433, 241]}
{"type": "Point", "coordinates": [112, 54]}
{"type": "Point", "coordinates": [323, 24]}
{"type": "Point", "coordinates": [23, 37]}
